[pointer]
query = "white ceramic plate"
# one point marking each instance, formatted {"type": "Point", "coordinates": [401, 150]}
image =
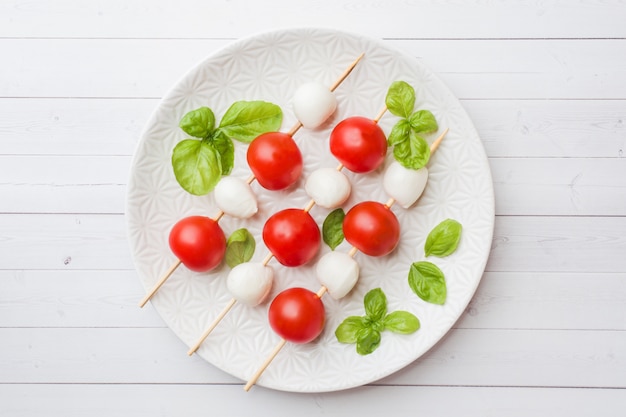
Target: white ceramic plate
{"type": "Point", "coordinates": [271, 66]}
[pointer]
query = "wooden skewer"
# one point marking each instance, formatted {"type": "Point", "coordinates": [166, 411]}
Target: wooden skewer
{"type": "Point", "coordinates": [294, 129]}
{"type": "Point", "coordinates": [265, 364]}
{"type": "Point", "coordinates": [437, 142]}
{"type": "Point", "coordinates": [158, 285]}
{"type": "Point", "coordinates": [212, 326]}
{"type": "Point", "coordinates": [380, 114]}
{"type": "Point", "coordinates": [222, 314]}
{"type": "Point", "coordinates": [346, 72]}
{"type": "Point", "coordinates": [309, 206]}
{"type": "Point", "coordinates": [390, 202]}
{"type": "Point", "coordinates": [274, 353]}
{"type": "Point", "coordinates": [321, 291]}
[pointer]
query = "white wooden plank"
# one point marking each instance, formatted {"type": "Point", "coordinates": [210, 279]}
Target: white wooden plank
{"type": "Point", "coordinates": [31, 298]}
{"type": "Point", "coordinates": [433, 19]}
{"type": "Point", "coordinates": [521, 358]}
{"type": "Point", "coordinates": [525, 69]}
{"type": "Point", "coordinates": [98, 68]}
{"type": "Point", "coordinates": [64, 184]}
{"type": "Point", "coordinates": [520, 244]}
{"type": "Point", "coordinates": [71, 400]}
{"type": "Point", "coordinates": [68, 241]}
{"type": "Point", "coordinates": [110, 355]}
{"type": "Point", "coordinates": [559, 186]}
{"type": "Point", "coordinates": [72, 126]}
{"type": "Point", "coordinates": [507, 128]}
{"type": "Point", "coordinates": [472, 68]}
{"type": "Point", "coordinates": [86, 198]}
{"type": "Point", "coordinates": [550, 128]}
{"type": "Point", "coordinates": [558, 244]}
{"type": "Point", "coordinates": [548, 300]}
{"type": "Point", "coordinates": [475, 357]}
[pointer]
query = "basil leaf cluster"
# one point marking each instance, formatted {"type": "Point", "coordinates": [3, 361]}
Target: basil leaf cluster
{"type": "Point", "coordinates": [200, 163]}
{"type": "Point", "coordinates": [409, 148]}
{"type": "Point", "coordinates": [426, 280]}
{"type": "Point", "coordinates": [365, 331]}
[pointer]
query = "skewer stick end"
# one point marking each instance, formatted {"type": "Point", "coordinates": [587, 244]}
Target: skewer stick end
{"type": "Point", "coordinates": [161, 281]}
{"type": "Point", "coordinates": [267, 362]}
{"type": "Point", "coordinates": [212, 326]}
{"type": "Point", "coordinates": [346, 72]}
{"type": "Point", "coordinates": [437, 141]}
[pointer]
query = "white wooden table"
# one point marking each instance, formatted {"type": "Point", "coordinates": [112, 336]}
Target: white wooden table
{"type": "Point", "coordinates": [545, 84]}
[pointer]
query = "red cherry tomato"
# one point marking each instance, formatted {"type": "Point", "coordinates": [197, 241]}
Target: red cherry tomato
{"type": "Point", "coordinates": [292, 236]}
{"type": "Point", "coordinates": [198, 242]}
{"type": "Point", "coordinates": [372, 228]}
{"type": "Point", "coordinates": [359, 144]}
{"type": "Point", "coordinates": [297, 315]}
{"type": "Point", "coordinates": [275, 160]}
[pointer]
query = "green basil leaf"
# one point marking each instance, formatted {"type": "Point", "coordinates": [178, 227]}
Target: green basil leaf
{"type": "Point", "coordinates": [413, 153]}
{"type": "Point", "coordinates": [375, 304]}
{"type": "Point", "coordinates": [368, 341]}
{"type": "Point", "coordinates": [400, 99]}
{"type": "Point", "coordinates": [197, 166]}
{"type": "Point", "coordinates": [428, 282]}
{"type": "Point", "coordinates": [348, 330]}
{"type": "Point", "coordinates": [399, 132]}
{"type": "Point", "coordinates": [332, 228]}
{"type": "Point", "coordinates": [240, 247]}
{"type": "Point", "coordinates": [198, 123]}
{"type": "Point", "coordinates": [245, 120]}
{"type": "Point", "coordinates": [443, 239]}
{"type": "Point", "coordinates": [401, 322]}
{"type": "Point", "coordinates": [225, 147]}
{"type": "Point", "coordinates": [423, 121]}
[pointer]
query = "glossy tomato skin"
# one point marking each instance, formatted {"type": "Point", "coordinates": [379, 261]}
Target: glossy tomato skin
{"type": "Point", "coordinates": [292, 236]}
{"type": "Point", "coordinates": [198, 242]}
{"type": "Point", "coordinates": [359, 144]}
{"type": "Point", "coordinates": [297, 315]}
{"type": "Point", "coordinates": [275, 160]}
{"type": "Point", "coordinates": [372, 228]}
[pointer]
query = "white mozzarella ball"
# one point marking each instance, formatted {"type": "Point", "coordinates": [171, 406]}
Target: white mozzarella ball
{"type": "Point", "coordinates": [235, 197]}
{"type": "Point", "coordinates": [313, 103]}
{"type": "Point", "coordinates": [403, 184]}
{"type": "Point", "coordinates": [328, 187]}
{"type": "Point", "coordinates": [338, 272]}
{"type": "Point", "coordinates": [250, 282]}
